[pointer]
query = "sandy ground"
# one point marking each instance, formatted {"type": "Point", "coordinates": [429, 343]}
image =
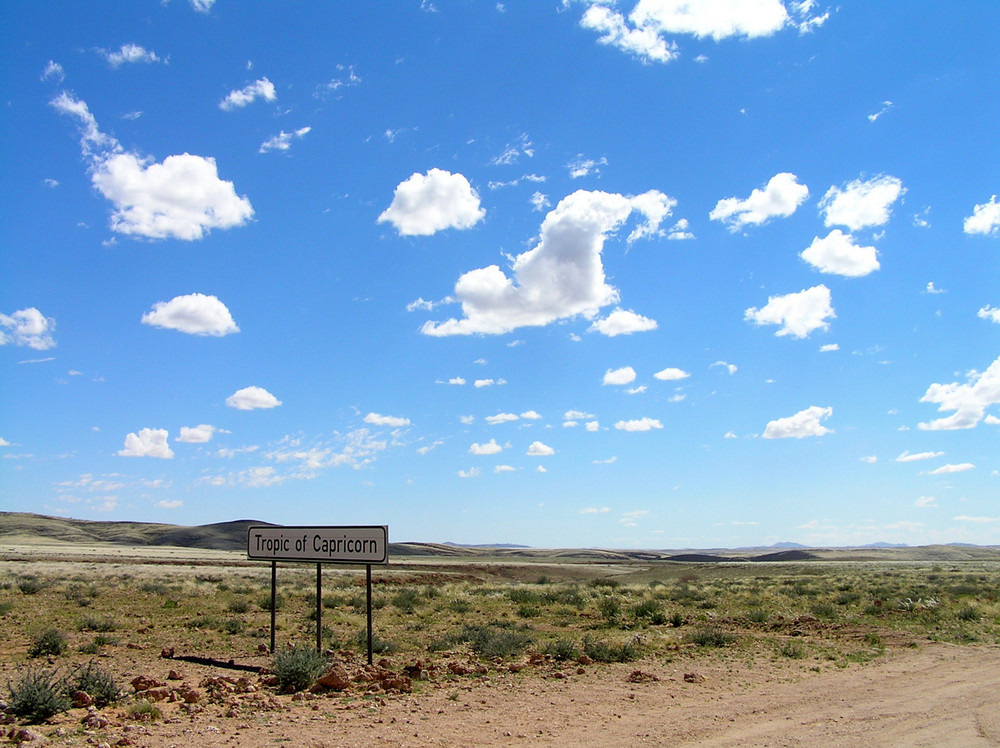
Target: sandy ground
{"type": "Point", "coordinates": [934, 695]}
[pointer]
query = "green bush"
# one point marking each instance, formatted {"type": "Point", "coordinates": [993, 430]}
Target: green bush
{"type": "Point", "coordinates": [143, 711]}
{"type": "Point", "coordinates": [712, 636]}
{"type": "Point", "coordinates": [37, 695]}
{"type": "Point", "coordinates": [406, 600]}
{"type": "Point", "coordinates": [240, 606]}
{"type": "Point", "coordinates": [298, 667]}
{"type": "Point", "coordinates": [29, 585]}
{"type": "Point", "coordinates": [96, 682]}
{"type": "Point", "coordinates": [562, 649]}
{"type": "Point", "coordinates": [793, 650]}
{"type": "Point", "coordinates": [92, 623]}
{"type": "Point", "coordinates": [758, 615]}
{"type": "Point", "coordinates": [494, 639]}
{"type": "Point", "coordinates": [5, 607]}
{"type": "Point", "coordinates": [968, 613]}
{"type": "Point", "coordinates": [601, 651]}
{"type": "Point", "coordinates": [48, 642]}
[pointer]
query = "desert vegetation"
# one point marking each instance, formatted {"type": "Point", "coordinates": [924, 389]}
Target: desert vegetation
{"type": "Point", "coordinates": [92, 626]}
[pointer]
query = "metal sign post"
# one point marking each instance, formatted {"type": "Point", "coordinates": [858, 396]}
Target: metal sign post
{"type": "Point", "coordinates": [365, 544]}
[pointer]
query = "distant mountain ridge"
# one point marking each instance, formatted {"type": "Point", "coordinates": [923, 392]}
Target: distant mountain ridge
{"type": "Point", "coordinates": [27, 528]}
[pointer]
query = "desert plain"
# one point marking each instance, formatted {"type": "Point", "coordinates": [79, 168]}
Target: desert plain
{"type": "Point", "coordinates": [488, 646]}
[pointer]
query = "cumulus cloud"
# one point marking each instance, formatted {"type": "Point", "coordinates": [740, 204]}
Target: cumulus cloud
{"type": "Point", "coordinates": [427, 203]}
{"type": "Point", "coordinates": [671, 374]}
{"type": "Point", "coordinates": [259, 89]}
{"type": "Point", "coordinates": [969, 400]}
{"type": "Point", "coordinates": [196, 434]}
{"type": "Point", "coordinates": [29, 328]}
{"type": "Point", "coordinates": [622, 322]}
{"type": "Point", "coordinates": [252, 398]}
{"type": "Point", "coordinates": [537, 449]}
{"type": "Point", "coordinates": [147, 443]}
{"type": "Point", "coordinates": [985, 219]}
{"type": "Point", "coordinates": [861, 203]}
{"type": "Point", "coordinates": [639, 424]}
{"type": "Point", "coordinates": [989, 313]}
{"type": "Point", "coordinates": [907, 457]}
{"type": "Point", "coordinates": [802, 424]}
{"type": "Point", "coordinates": [644, 42]}
{"type": "Point", "coordinates": [53, 71]}
{"type": "Point", "coordinates": [622, 376]}
{"type": "Point", "coordinates": [838, 254]}
{"type": "Point", "coordinates": [181, 197]}
{"type": "Point", "coordinates": [490, 448]}
{"type": "Point", "coordinates": [129, 53]}
{"type": "Point", "coordinates": [923, 501]}
{"type": "Point", "coordinates": [798, 314]}
{"type": "Point", "coordinates": [395, 422]}
{"type": "Point", "coordinates": [195, 314]}
{"type": "Point", "coordinates": [779, 198]}
{"type": "Point", "coordinates": [283, 140]}
{"type": "Point", "coordinates": [560, 278]}
{"type": "Point", "coordinates": [717, 19]}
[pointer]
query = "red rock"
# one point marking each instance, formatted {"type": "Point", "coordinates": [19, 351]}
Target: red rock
{"type": "Point", "coordinates": [145, 682]}
{"type": "Point", "coordinates": [336, 678]}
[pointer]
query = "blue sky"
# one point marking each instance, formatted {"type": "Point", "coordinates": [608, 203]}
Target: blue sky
{"type": "Point", "coordinates": [635, 274]}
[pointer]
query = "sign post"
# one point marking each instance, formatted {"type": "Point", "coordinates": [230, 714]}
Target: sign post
{"type": "Point", "coordinates": [359, 544]}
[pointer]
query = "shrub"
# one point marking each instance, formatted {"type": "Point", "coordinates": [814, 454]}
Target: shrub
{"type": "Point", "coordinates": [48, 642]}
{"type": "Point", "coordinates": [406, 600]}
{"type": "Point", "coordinates": [240, 606]}
{"type": "Point", "coordinates": [793, 650]}
{"type": "Point", "coordinates": [231, 626]}
{"type": "Point", "coordinates": [379, 646]}
{"type": "Point", "coordinates": [91, 623]}
{"type": "Point", "coordinates": [5, 607]}
{"type": "Point", "coordinates": [144, 711]}
{"type": "Point", "coordinates": [523, 596]}
{"type": "Point", "coordinates": [298, 667]}
{"type": "Point", "coordinates": [758, 615]}
{"type": "Point", "coordinates": [676, 619]}
{"type": "Point", "coordinates": [712, 636]}
{"type": "Point", "coordinates": [29, 585]}
{"type": "Point", "coordinates": [601, 651]}
{"type": "Point", "coordinates": [493, 639]}
{"type": "Point", "coordinates": [968, 613]}
{"type": "Point", "coordinates": [265, 602]}
{"type": "Point", "coordinates": [37, 695]}
{"type": "Point", "coordinates": [609, 606]}
{"type": "Point", "coordinates": [96, 682]}
{"type": "Point", "coordinates": [562, 649]}
{"type": "Point", "coordinates": [649, 609]}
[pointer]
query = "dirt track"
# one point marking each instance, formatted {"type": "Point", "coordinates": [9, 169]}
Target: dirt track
{"type": "Point", "coordinates": [936, 695]}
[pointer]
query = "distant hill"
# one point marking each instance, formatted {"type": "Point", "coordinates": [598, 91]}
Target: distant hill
{"type": "Point", "coordinates": [24, 528]}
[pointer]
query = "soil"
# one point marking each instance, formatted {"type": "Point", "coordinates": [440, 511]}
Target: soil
{"type": "Point", "coordinates": [931, 695]}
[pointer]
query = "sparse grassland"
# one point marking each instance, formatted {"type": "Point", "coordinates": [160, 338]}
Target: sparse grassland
{"type": "Point", "coordinates": [489, 616]}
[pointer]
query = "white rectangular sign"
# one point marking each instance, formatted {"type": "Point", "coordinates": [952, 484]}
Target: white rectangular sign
{"type": "Point", "coordinates": [365, 544]}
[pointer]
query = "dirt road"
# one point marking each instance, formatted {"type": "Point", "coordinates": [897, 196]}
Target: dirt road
{"type": "Point", "coordinates": [934, 695]}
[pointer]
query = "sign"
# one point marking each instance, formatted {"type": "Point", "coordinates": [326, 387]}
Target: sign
{"type": "Point", "coordinates": [364, 544]}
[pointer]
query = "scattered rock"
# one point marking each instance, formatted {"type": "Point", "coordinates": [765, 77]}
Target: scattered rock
{"type": "Point", "coordinates": [145, 682]}
{"type": "Point", "coordinates": [95, 720]}
{"type": "Point", "coordinates": [693, 678]}
{"type": "Point", "coordinates": [174, 675]}
{"type": "Point", "coordinates": [335, 679]}
{"type": "Point", "coordinates": [80, 699]}
{"type": "Point", "coordinates": [637, 676]}
{"type": "Point", "coordinates": [22, 735]}
{"type": "Point", "coordinates": [167, 653]}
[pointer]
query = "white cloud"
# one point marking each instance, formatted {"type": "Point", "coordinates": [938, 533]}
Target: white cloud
{"type": "Point", "coordinates": [29, 328]}
{"type": "Point", "coordinates": [644, 41]}
{"type": "Point", "coordinates": [504, 469]}
{"type": "Point", "coordinates": [985, 219]}
{"type": "Point", "coordinates": [671, 375]}
{"type": "Point", "coordinates": [490, 448]}
{"type": "Point", "coordinates": [779, 198]}
{"type": "Point", "coordinates": [196, 434]}
{"type": "Point", "coordinates": [638, 390]}
{"type": "Point", "coordinates": [4, 442]}
{"type": "Point", "coordinates": [907, 457]}
{"type": "Point", "coordinates": [679, 231]}
{"type": "Point", "coordinates": [924, 501]}
{"type": "Point", "coordinates": [886, 106]}
{"type": "Point", "coordinates": [480, 383]}
{"type": "Point", "coordinates": [731, 368]}
{"type": "Point", "coordinates": [540, 202]}
{"type": "Point", "coordinates": [829, 348]}
{"type": "Point", "coordinates": [639, 424]}
{"type": "Point", "coordinates": [283, 140]}
{"type": "Point", "coordinates": [932, 289]}
{"type": "Point", "coordinates": [861, 203]}
{"type": "Point", "coordinates": [129, 53]}
{"type": "Point", "coordinates": [576, 415]}
{"type": "Point", "coordinates": [595, 510]}
{"type": "Point", "coordinates": [976, 520]}
{"type": "Point", "coordinates": [182, 197]}
{"type": "Point", "coordinates": [622, 322]}
{"type": "Point", "coordinates": [53, 71]}
{"type": "Point", "coordinates": [799, 314]}
{"type": "Point", "coordinates": [501, 418]}
{"type": "Point", "coordinates": [202, 6]}
{"type": "Point", "coordinates": [170, 504]}
{"type": "Point", "coordinates": [459, 381]}
{"type": "Point", "coordinates": [870, 459]}
{"type": "Point", "coordinates": [531, 415]}
{"type": "Point", "coordinates": [395, 422]}
{"type": "Point", "coordinates": [969, 400]}
{"type": "Point", "coordinates": [989, 313]}
{"type": "Point", "coordinates": [512, 153]}
{"type": "Point", "coordinates": [560, 278]}
{"type": "Point", "coordinates": [839, 255]}
{"type": "Point", "coordinates": [622, 376]}
{"type": "Point", "coordinates": [259, 89]}
{"type": "Point", "coordinates": [717, 19]}
{"type": "Point", "coordinates": [582, 167]}
{"type": "Point", "coordinates": [251, 398]}
{"type": "Point", "coordinates": [960, 467]}
{"type": "Point", "coordinates": [804, 423]}
{"type": "Point", "coordinates": [147, 443]}
{"type": "Point", "coordinates": [537, 449]}
{"type": "Point", "coordinates": [425, 204]}
{"type": "Point", "coordinates": [195, 314]}
{"type": "Point", "coordinates": [593, 426]}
